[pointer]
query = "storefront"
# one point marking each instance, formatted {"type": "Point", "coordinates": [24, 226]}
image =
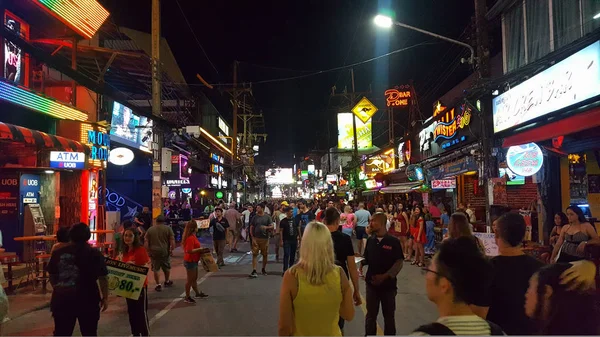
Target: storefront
{"type": "Point", "coordinates": [560, 116]}
{"type": "Point", "coordinates": [47, 181]}
{"type": "Point", "coordinates": [447, 149]}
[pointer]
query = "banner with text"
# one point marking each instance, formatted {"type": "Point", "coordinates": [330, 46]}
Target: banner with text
{"type": "Point", "coordinates": [125, 279]}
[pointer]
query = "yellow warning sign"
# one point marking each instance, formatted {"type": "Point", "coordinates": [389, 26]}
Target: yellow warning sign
{"type": "Point", "coordinates": [364, 110]}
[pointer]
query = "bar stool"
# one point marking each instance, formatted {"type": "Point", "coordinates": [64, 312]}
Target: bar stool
{"type": "Point", "coordinates": [43, 260]}
{"type": "Point", "coordinates": [9, 259]}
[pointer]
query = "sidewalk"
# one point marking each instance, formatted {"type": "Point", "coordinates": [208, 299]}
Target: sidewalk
{"type": "Point", "coordinates": [29, 313]}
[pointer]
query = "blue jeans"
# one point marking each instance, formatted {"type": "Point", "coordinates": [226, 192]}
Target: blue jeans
{"type": "Point", "coordinates": [289, 254]}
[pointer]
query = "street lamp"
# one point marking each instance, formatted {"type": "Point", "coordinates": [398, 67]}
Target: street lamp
{"type": "Point", "coordinates": [387, 22]}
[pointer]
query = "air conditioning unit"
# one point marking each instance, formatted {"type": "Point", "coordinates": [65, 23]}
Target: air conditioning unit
{"type": "Point", "coordinates": [165, 159]}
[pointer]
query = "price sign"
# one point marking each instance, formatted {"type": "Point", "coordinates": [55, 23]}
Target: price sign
{"type": "Point", "coordinates": [489, 243]}
{"type": "Point", "coordinates": [125, 279]}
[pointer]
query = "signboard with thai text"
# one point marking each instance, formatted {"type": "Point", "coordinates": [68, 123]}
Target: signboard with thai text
{"type": "Point", "coordinates": [571, 81]}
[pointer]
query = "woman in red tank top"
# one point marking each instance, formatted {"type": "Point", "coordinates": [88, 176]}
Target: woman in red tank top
{"type": "Point", "coordinates": [417, 231]}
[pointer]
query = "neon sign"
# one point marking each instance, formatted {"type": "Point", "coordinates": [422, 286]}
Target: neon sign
{"type": "Point", "coordinates": [447, 130]}
{"type": "Point", "coordinates": [438, 107]}
{"type": "Point", "coordinates": [29, 100]}
{"type": "Point", "coordinates": [83, 16]}
{"type": "Point", "coordinates": [395, 97]}
{"type": "Point", "coordinates": [100, 144]}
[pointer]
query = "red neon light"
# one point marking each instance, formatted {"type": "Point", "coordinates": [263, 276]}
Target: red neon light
{"type": "Point", "coordinates": [394, 97]}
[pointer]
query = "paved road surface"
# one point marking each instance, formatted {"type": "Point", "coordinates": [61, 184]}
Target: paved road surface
{"type": "Point", "coordinates": [237, 305]}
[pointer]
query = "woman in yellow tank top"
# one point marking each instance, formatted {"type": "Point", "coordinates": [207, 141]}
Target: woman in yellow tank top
{"type": "Point", "coordinates": [315, 292]}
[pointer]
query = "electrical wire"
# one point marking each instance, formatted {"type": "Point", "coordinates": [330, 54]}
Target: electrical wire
{"type": "Point", "coordinates": [195, 37]}
{"type": "Point", "coordinates": [327, 70]}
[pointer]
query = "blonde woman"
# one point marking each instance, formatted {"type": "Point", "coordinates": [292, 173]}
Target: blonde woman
{"type": "Point", "coordinates": [315, 292]}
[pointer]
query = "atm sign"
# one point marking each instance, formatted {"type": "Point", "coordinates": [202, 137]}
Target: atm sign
{"type": "Point", "coordinates": [67, 160]}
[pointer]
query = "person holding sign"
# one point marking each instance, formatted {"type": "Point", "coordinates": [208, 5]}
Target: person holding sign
{"type": "Point", "coordinates": [133, 252]}
{"type": "Point", "coordinates": [191, 257]}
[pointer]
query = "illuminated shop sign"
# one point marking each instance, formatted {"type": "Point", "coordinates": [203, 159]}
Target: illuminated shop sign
{"type": "Point", "coordinates": [29, 100]}
{"type": "Point", "coordinates": [382, 163]}
{"type": "Point", "coordinates": [177, 182]}
{"type": "Point", "coordinates": [223, 126]}
{"type": "Point", "coordinates": [415, 173]}
{"type": "Point", "coordinates": [214, 182]}
{"type": "Point", "coordinates": [216, 158]}
{"type": "Point", "coordinates": [398, 97]}
{"type": "Point", "coordinates": [447, 130]}
{"type": "Point", "coordinates": [438, 108]}
{"type": "Point", "coordinates": [184, 167]}
{"type": "Point", "coordinates": [218, 169]}
{"type": "Point", "coordinates": [16, 65]}
{"type": "Point", "coordinates": [371, 183]}
{"type": "Point", "coordinates": [573, 80]}
{"type": "Point", "coordinates": [100, 145]}
{"type": "Point", "coordinates": [83, 16]}
{"type": "Point", "coordinates": [67, 160]}
{"type": "Point", "coordinates": [525, 160]}
{"type": "Point", "coordinates": [346, 133]}
{"type": "Point", "coordinates": [30, 188]}
{"type": "Point", "coordinates": [224, 184]}
{"type": "Point", "coordinates": [280, 176]}
{"type": "Point", "coordinates": [186, 190]}
{"type": "Point", "coordinates": [443, 184]}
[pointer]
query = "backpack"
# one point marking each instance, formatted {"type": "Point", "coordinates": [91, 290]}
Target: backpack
{"type": "Point", "coordinates": [439, 329]}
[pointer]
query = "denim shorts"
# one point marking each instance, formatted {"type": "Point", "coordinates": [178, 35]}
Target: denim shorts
{"type": "Point", "coordinates": [190, 265]}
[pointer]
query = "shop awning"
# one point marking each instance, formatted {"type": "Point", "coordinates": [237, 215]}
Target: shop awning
{"type": "Point", "coordinates": [577, 123]}
{"type": "Point", "coordinates": [399, 188]}
{"type": "Point", "coordinates": [19, 134]}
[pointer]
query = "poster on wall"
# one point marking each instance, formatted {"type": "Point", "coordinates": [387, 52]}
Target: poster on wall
{"type": "Point", "coordinates": [14, 59]}
{"type": "Point", "coordinates": [93, 199]}
{"type": "Point", "coordinates": [9, 195]}
{"type": "Point", "coordinates": [497, 190]}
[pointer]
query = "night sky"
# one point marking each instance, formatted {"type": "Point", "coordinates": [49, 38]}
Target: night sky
{"type": "Point", "coordinates": [281, 39]}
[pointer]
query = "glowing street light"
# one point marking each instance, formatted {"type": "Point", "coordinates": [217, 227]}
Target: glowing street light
{"type": "Point", "coordinates": [387, 22]}
{"type": "Point", "coordinates": [383, 21]}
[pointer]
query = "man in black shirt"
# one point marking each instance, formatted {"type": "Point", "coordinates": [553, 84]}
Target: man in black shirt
{"type": "Point", "coordinates": [304, 216]}
{"type": "Point", "coordinates": [74, 270]}
{"type": "Point", "coordinates": [383, 254]}
{"type": "Point", "coordinates": [288, 238]}
{"type": "Point", "coordinates": [344, 253]}
{"type": "Point", "coordinates": [503, 303]}
{"type": "Point", "coordinates": [219, 225]}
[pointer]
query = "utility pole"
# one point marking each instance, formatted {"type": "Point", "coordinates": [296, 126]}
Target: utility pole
{"type": "Point", "coordinates": [487, 160]}
{"type": "Point", "coordinates": [351, 97]}
{"type": "Point", "coordinates": [156, 111]}
{"type": "Point", "coordinates": [235, 93]}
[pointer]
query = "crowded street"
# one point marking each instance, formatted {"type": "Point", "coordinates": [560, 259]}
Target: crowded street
{"type": "Point", "coordinates": [299, 168]}
{"type": "Point", "coordinates": [237, 305]}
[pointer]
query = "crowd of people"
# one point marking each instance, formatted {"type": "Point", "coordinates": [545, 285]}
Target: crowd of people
{"type": "Point", "coordinates": [512, 293]}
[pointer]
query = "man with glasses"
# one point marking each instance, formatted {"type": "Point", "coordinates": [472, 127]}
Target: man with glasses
{"type": "Point", "coordinates": [458, 275]}
{"type": "Point", "coordinates": [384, 256]}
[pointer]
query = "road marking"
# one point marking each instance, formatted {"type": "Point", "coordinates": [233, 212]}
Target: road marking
{"type": "Point", "coordinates": [175, 301]}
{"type": "Point", "coordinates": [363, 306]}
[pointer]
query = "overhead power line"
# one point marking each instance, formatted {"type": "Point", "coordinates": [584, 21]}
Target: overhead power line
{"type": "Point", "coordinates": [327, 70]}
{"type": "Point", "coordinates": [195, 37]}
